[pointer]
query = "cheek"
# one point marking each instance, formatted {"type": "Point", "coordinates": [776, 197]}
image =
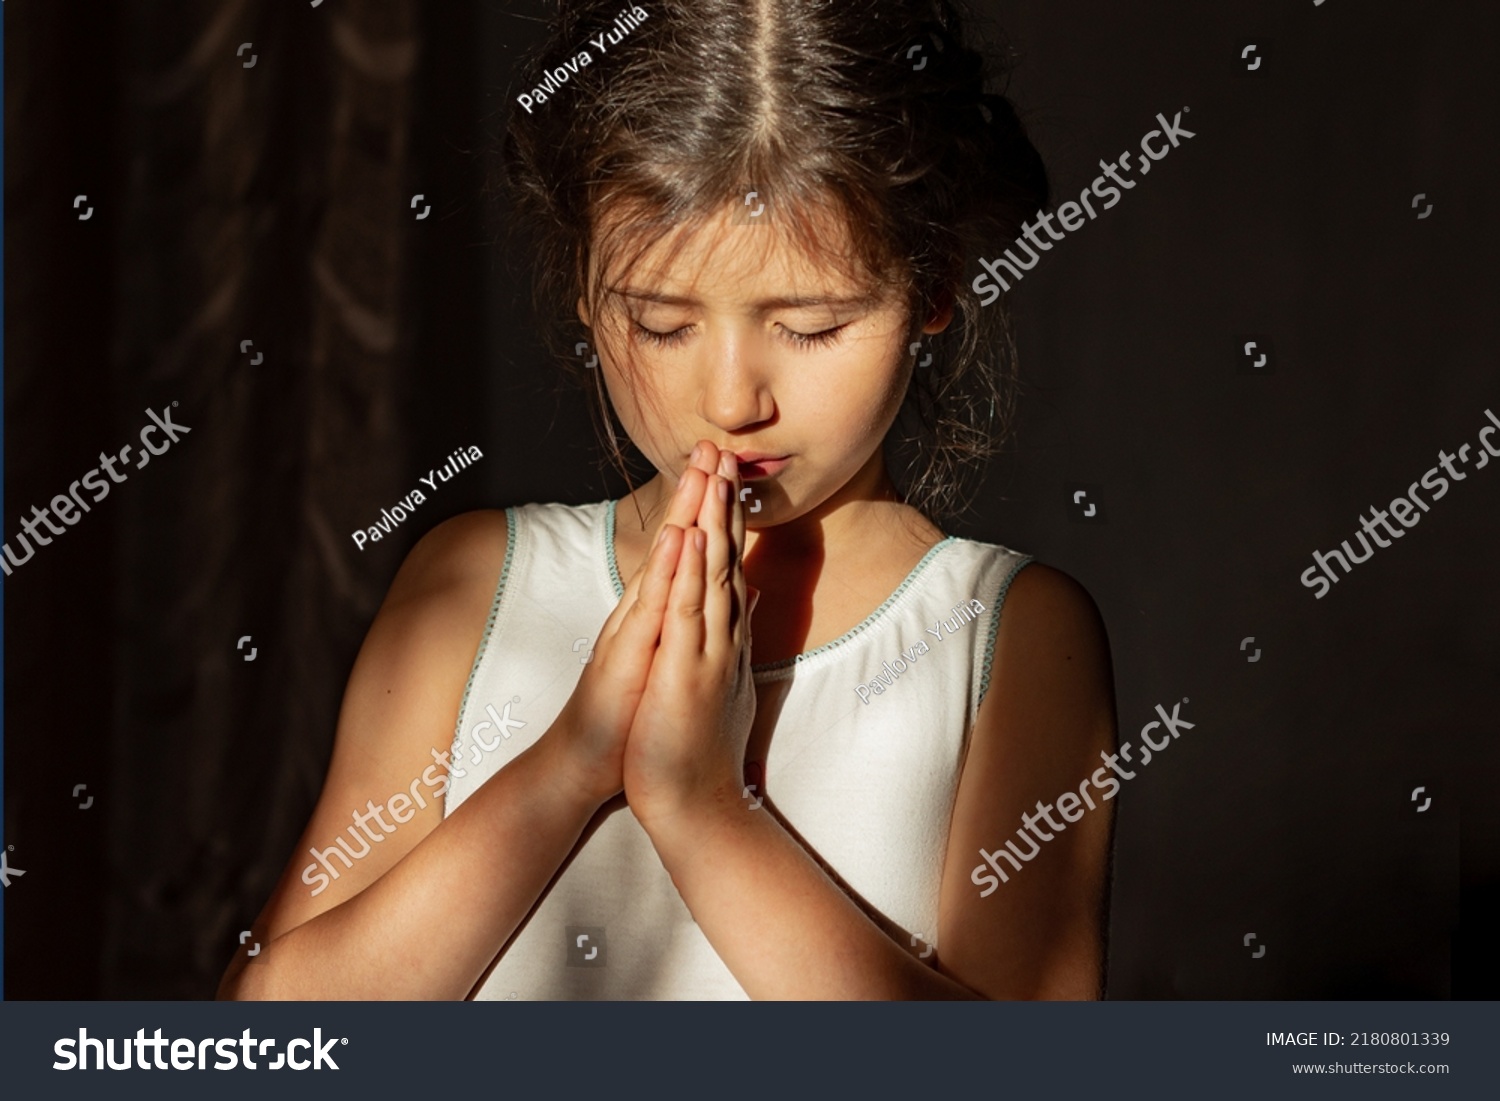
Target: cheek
{"type": "Point", "coordinates": [893, 373]}
{"type": "Point", "coordinates": [863, 388]}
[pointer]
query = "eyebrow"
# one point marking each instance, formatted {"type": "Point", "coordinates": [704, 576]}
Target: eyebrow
{"type": "Point", "coordinates": [764, 304]}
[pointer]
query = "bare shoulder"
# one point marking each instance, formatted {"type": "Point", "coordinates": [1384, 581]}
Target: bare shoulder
{"type": "Point", "coordinates": [1051, 666]}
{"type": "Point", "coordinates": [407, 683]}
{"type": "Point", "coordinates": [430, 624]}
{"type": "Point", "coordinates": [459, 553]}
{"type": "Point", "coordinates": [1050, 615]}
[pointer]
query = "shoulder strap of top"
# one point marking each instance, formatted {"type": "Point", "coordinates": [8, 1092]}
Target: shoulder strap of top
{"type": "Point", "coordinates": [1006, 564]}
{"type": "Point", "coordinates": [515, 531]}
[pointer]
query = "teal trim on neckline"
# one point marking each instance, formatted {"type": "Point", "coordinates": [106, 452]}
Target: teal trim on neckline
{"type": "Point", "coordinates": [609, 547]}
{"type": "Point", "coordinates": [869, 620]}
{"type": "Point", "coordinates": [989, 642]}
{"type": "Point", "coordinates": [796, 659]}
{"type": "Point", "coordinates": [489, 624]}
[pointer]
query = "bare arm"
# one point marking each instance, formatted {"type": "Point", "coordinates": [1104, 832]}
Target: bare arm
{"type": "Point", "coordinates": [1049, 714]}
{"type": "Point", "coordinates": [423, 914]}
{"type": "Point", "coordinates": [429, 927]}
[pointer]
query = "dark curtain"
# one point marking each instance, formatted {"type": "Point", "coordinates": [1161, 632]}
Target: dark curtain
{"type": "Point", "coordinates": [254, 264]}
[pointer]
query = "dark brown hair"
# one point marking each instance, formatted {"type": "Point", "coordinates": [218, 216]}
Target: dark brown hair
{"type": "Point", "coordinates": [875, 108]}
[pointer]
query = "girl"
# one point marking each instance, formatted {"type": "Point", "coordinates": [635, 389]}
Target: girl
{"type": "Point", "coordinates": [773, 762]}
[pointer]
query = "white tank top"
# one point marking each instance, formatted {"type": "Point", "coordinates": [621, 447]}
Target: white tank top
{"type": "Point", "coordinates": [863, 762]}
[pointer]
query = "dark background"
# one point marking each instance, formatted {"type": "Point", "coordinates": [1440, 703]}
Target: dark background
{"type": "Point", "coordinates": [273, 204]}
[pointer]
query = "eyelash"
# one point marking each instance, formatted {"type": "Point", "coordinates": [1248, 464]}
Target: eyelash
{"type": "Point", "coordinates": [677, 336]}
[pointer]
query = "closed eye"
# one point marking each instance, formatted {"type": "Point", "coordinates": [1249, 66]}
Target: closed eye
{"type": "Point", "coordinates": [677, 336]}
{"type": "Point", "coordinates": [661, 340]}
{"type": "Point", "coordinates": [814, 340]}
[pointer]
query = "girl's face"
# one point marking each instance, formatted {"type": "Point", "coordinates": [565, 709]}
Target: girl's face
{"type": "Point", "coordinates": [745, 339]}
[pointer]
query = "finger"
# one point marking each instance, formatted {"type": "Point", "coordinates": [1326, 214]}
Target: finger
{"type": "Point", "coordinates": [705, 457]}
{"type": "Point", "coordinates": [682, 623]}
{"type": "Point", "coordinates": [631, 593]}
{"type": "Point", "coordinates": [743, 639]}
{"type": "Point", "coordinates": [682, 510]}
{"type": "Point", "coordinates": [641, 626]}
{"type": "Point", "coordinates": [745, 672]}
{"type": "Point", "coordinates": [746, 641]}
{"type": "Point", "coordinates": [718, 596]}
{"type": "Point", "coordinates": [736, 548]}
{"type": "Point", "coordinates": [737, 513]}
{"type": "Point", "coordinates": [715, 504]}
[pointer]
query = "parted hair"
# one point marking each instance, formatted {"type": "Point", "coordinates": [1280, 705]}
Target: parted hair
{"type": "Point", "coordinates": [875, 110]}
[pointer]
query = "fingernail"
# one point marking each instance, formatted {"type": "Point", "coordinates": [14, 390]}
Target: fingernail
{"type": "Point", "coordinates": [727, 464]}
{"type": "Point", "coordinates": [723, 491]}
{"type": "Point", "coordinates": [700, 539]}
{"type": "Point", "coordinates": [754, 600]}
{"type": "Point", "coordinates": [662, 538]}
{"type": "Point", "coordinates": [697, 451]}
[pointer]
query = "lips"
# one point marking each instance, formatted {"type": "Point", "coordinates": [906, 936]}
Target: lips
{"type": "Point", "coordinates": [756, 464]}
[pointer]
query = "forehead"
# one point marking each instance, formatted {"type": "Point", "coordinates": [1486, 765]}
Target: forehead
{"type": "Point", "coordinates": [727, 259]}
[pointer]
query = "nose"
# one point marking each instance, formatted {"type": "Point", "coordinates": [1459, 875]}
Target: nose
{"type": "Point", "coordinates": [735, 384]}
